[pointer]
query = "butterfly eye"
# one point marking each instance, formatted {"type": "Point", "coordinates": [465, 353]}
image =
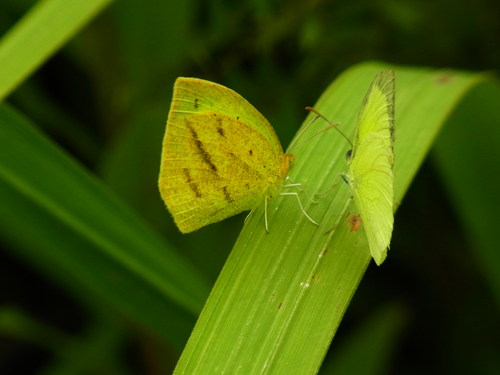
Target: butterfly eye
{"type": "Point", "coordinates": [348, 155]}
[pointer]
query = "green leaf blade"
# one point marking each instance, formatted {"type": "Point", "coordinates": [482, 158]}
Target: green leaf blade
{"type": "Point", "coordinates": [281, 296]}
{"type": "Point", "coordinates": [44, 29]}
{"type": "Point", "coordinates": [59, 217]}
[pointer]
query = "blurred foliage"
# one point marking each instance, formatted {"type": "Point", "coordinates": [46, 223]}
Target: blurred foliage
{"type": "Point", "coordinates": [104, 98]}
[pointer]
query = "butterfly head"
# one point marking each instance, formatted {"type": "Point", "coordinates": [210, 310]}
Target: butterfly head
{"type": "Point", "coordinates": [288, 162]}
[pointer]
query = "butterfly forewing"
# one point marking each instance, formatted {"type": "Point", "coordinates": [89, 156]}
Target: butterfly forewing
{"type": "Point", "coordinates": [193, 95]}
{"type": "Point", "coordinates": [215, 164]}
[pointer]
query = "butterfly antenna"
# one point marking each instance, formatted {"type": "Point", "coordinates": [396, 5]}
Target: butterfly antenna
{"type": "Point", "coordinates": [294, 144]}
{"type": "Point", "coordinates": [331, 124]}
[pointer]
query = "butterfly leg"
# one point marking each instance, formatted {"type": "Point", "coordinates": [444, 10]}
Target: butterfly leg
{"type": "Point", "coordinates": [345, 178]}
{"type": "Point", "coordinates": [328, 190]}
{"type": "Point", "coordinates": [265, 214]}
{"type": "Point", "coordinates": [296, 195]}
{"type": "Point", "coordinates": [298, 185]}
{"type": "Point", "coordinates": [248, 216]}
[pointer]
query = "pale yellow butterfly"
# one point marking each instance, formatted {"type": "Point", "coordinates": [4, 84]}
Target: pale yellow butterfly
{"type": "Point", "coordinates": [370, 164]}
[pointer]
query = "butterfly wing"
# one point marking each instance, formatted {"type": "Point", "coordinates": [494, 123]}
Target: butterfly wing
{"type": "Point", "coordinates": [198, 96]}
{"type": "Point", "coordinates": [371, 164]}
{"type": "Point", "coordinates": [220, 155]}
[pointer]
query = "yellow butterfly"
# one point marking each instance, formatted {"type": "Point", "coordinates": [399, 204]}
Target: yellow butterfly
{"type": "Point", "coordinates": [220, 156]}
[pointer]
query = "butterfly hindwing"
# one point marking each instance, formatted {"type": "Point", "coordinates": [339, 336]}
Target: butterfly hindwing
{"type": "Point", "coordinates": [371, 164]}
